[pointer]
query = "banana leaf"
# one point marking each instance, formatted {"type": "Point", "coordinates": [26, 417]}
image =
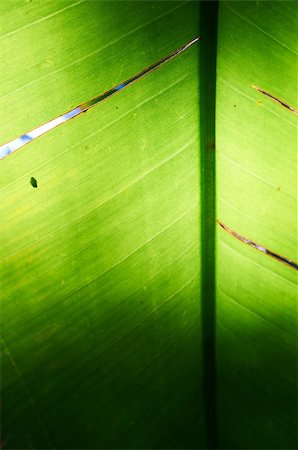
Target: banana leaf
{"type": "Point", "coordinates": [109, 276]}
{"type": "Point", "coordinates": [257, 197]}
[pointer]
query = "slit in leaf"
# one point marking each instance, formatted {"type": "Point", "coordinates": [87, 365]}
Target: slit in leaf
{"type": "Point", "coordinates": [17, 143]}
{"type": "Point", "coordinates": [262, 249]}
{"type": "Point", "coordinates": [277, 100]}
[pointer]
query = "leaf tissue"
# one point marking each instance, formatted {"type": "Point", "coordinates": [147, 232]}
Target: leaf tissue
{"type": "Point", "coordinates": [148, 247]}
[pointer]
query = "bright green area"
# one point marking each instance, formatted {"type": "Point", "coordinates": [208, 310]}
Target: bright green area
{"type": "Point", "coordinates": [100, 314]}
{"type": "Point", "coordinates": [257, 197]}
{"type": "Point", "coordinates": [58, 54]}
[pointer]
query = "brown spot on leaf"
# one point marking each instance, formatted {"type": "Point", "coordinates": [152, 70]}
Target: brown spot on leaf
{"type": "Point", "coordinates": [211, 145]}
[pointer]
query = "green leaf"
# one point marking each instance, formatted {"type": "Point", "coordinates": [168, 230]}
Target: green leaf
{"type": "Point", "coordinates": [257, 197]}
{"type": "Point", "coordinates": [100, 263]}
{"type": "Point", "coordinates": [108, 270]}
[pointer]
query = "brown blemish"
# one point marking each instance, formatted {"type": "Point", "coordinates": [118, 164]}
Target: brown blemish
{"type": "Point", "coordinates": [211, 145]}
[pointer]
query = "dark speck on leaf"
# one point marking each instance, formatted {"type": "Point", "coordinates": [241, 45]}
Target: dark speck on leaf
{"type": "Point", "coordinates": [33, 182]}
{"type": "Point", "coordinates": [117, 107]}
{"type": "Point", "coordinates": [234, 106]}
{"type": "Point", "coordinates": [211, 145]}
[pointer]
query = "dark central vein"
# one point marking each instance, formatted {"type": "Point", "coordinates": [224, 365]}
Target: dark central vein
{"type": "Point", "coordinates": [15, 144]}
{"type": "Point", "coordinates": [208, 57]}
